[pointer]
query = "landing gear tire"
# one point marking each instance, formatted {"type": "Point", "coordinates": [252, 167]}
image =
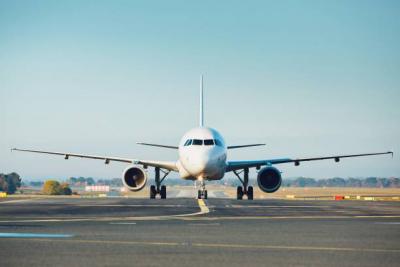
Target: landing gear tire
{"type": "Point", "coordinates": [153, 192]}
{"type": "Point", "coordinates": [239, 193]}
{"type": "Point", "coordinates": [163, 192]}
{"type": "Point", "coordinates": [250, 193]}
{"type": "Point", "coordinates": [202, 194]}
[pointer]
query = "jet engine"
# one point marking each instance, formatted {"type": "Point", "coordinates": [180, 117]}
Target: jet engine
{"type": "Point", "coordinates": [269, 179]}
{"type": "Point", "coordinates": [134, 178]}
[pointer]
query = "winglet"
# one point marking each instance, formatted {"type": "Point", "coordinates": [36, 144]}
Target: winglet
{"type": "Point", "coordinates": [391, 152]}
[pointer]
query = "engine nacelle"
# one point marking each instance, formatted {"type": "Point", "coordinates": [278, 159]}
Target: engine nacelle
{"type": "Point", "coordinates": [134, 178]}
{"type": "Point", "coordinates": [269, 179]}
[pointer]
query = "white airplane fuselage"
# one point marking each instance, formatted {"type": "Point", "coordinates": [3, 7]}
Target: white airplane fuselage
{"type": "Point", "coordinates": [202, 155]}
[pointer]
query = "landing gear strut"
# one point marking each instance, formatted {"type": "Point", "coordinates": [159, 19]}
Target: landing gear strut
{"type": "Point", "coordinates": [245, 189]}
{"type": "Point", "coordinates": [202, 193]}
{"type": "Point", "coordinates": [158, 188]}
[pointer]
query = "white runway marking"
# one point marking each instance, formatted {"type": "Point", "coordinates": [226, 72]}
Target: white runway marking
{"type": "Point", "coordinates": [32, 235]}
{"type": "Point", "coordinates": [274, 207]}
{"type": "Point", "coordinates": [123, 223]}
{"type": "Point", "coordinates": [202, 205]}
{"type": "Point", "coordinates": [392, 223]}
{"type": "Point", "coordinates": [224, 246]}
{"type": "Point", "coordinates": [119, 205]}
{"type": "Point", "coordinates": [204, 224]}
{"type": "Point", "coordinates": [19, 200]}
{"type": "Point", "coordinates": [191, 216]}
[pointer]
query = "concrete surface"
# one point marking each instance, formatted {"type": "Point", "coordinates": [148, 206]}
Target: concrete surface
{"type": "Point", "coordinates": [176, 232]}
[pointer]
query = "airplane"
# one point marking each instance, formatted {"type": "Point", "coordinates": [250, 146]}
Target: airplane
{"type": "Point", "coordinates": [202, 156]}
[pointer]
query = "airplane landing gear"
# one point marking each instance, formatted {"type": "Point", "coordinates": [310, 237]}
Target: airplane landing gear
{"type": "Point", "coordinates": [245, 189]}
{"type": "Point", "coordinates": [202, 193]}
{"type": "Point", "coordinates": [158, 188]}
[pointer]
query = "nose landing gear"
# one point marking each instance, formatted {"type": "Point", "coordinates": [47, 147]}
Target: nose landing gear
{"type": "Point", "coordinates": [158, 188]}
{"type": "Point", "coordinates": [245, 189]}
{"type": "Point", "coordinates": [202, 193]}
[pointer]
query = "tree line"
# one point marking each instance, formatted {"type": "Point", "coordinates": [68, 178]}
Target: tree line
{"type": "Point", "coordinates": [9, 183]}
{"type": "Point", "coordinates": [372, 182]}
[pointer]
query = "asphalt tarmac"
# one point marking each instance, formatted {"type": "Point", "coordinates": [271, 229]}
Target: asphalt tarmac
{"type": "Point", "coordinates": [188, 232]}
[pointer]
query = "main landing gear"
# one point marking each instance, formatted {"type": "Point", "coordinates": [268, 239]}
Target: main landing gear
{"type": "Point", "coordinates": [158, 188]}
{"type": "Point", "coordinates": [245, 189]}
{"type": "Point", "coordinates": [202, 193]}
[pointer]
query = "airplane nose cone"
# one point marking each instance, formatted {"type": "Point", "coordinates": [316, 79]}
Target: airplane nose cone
{"type": "Point", "coordinates": [203, 164]}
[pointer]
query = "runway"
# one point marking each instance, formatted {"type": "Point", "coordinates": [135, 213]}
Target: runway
{"type": "Point", "coordinates": [188, 232]}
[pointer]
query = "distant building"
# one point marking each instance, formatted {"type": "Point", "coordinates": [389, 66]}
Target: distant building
{"type": "Point", "coordinates": [97, 188]}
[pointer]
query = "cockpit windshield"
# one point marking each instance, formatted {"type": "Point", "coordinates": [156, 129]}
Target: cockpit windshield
{"type": "Point", "coordinates": [206, 142]}
{"type": "Point", "coordinates": [197, 142]}
{"type": "Point", "coordinates": [209, 142]}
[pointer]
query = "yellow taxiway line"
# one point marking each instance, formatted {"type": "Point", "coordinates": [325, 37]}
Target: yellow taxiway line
{"type": "Point", "coordinates": [203, 207]}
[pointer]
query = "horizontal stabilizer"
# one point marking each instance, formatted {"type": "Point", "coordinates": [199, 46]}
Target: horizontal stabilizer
{"type": "Point", "coordinates": [241, 146]}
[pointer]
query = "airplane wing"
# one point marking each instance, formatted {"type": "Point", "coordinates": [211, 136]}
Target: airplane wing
{"type": "Point", "coordinates": [157, 145]}
{"type": "Point", "coordinates": [169, 165]}
{"type": "Point", "coordinates": [237, 165]}
{"type": "Point", "coordinates": [242, 146]}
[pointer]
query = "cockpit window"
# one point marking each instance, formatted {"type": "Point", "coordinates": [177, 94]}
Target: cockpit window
{"type": "Point", "coordinates": [188, 142]}
{"type": "Point", "coordinates": [218, 142]}
{"type": "Point", "coordinates": [209, 142]}
{"type": "Point", "coordinates": [197, 142]}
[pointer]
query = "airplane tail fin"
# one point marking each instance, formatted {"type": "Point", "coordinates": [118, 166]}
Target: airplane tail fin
{"type": "Point", "coordinates": [201, 103]}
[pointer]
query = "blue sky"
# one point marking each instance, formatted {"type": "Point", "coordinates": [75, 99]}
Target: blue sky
{"type": "Point", "coordinates": [308, 78]}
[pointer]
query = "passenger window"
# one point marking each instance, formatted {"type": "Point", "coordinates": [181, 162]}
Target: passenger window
{"type": "Point", "coordinates": [217, 142]}
{"type": "Point", "coordinates": [209, 142]}
{"type": "Point", "coordinates": [197, 142]}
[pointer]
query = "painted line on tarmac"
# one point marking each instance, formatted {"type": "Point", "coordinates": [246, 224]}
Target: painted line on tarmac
{"type": "Point", "coordinates": [33, 235]}
{"type": "Point", "coordinates": [388, 223]}
{"type": "Point", "coordinates": [123, 223]}
{"type": "Point", "coordinates": [204, 224]}
{"type": "Point", "coordinates": [221, 245]}
{"type": "Point", "coordinates": [202, 205]}
{"type": "Point", "coordinates": [192, 217]}
{"type": "Point", "coordinates": [19, 200]}
{"type": "Point", "coordinates": [203, 210]}
{"type": "Point", "coordinates": [238, 218]}
{"type": "Point", "coordinates": [275, 207]}
{"type": "Point", "coordinates": [295, 217]}
{"type": "Point", "coordinates": [267, 247]}
{"type": "Point", "coordinates": [125, 206]}
{"type": "Point", "coordinates": [97, 205]}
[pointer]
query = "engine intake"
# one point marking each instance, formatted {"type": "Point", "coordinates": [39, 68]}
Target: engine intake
{"type": "Point", "coordinates": [134, 178]}
{"type": "Point", "coordinates": [269, 179]}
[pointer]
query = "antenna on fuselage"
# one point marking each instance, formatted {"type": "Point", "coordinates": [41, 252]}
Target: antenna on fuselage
{"type": "Point", "coordinates": [201, 103]}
